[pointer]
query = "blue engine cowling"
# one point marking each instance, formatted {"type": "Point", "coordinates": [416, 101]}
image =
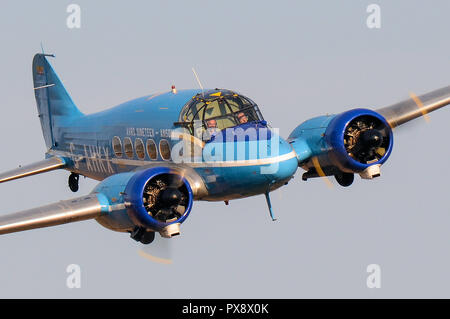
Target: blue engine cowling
{"type": "Point", "coordinates": [151, 199]}
{"type": "Point", "coordinates": [356, 158]}
{"type": "Point", "coordinates": [347, 142]}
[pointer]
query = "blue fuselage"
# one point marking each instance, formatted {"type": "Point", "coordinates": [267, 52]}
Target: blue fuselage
{"type": "Point", "coordinates": [147, 124]}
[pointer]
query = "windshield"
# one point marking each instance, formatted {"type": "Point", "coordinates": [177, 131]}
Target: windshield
{"type": "Point", "coordinates": [216, 110]}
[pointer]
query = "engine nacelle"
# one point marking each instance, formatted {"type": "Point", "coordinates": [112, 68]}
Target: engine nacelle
{"type": "Point", "coordinates": [154, 199]}
{"type": "Point", "coordinates": [157, 198]}
{"type": "Point", "coordinates": [355, 141]}
{"type": "Point", "coordinates": [361, 140]}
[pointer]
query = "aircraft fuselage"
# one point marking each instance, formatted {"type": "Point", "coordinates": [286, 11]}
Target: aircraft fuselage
{"type": "Point", "coordinates": [146, 125]}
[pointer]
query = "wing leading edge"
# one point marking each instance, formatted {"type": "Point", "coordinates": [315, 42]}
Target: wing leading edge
{"type": "Point", "coordinates": [63, 212]}
{"type": "Point", "coordinates": [405, 111]}
{"type": "Point", "coordinates": [43, 166]}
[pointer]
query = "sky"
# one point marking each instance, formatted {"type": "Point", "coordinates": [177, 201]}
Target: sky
{"type": "Point", "coordinates": [296, 60]}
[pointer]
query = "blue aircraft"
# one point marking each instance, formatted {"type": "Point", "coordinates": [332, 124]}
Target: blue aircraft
{"type": "Point", "coordinates": [155, 155]}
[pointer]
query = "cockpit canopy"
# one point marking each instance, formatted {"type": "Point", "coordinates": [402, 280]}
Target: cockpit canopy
{"type": "Point", "coordinates": [215, 110]}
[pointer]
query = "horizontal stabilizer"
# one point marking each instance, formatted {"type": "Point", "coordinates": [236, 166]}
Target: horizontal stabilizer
{"type": "Point", "coordinates": [63, 212]}
{"type": "Point", "coordinates": [415, 107]}
{"type": "Point", "coordinates": [46, 165]}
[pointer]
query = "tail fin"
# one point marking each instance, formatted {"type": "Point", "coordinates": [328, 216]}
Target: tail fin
{"type": "Point", "coordinates": [53, 102]}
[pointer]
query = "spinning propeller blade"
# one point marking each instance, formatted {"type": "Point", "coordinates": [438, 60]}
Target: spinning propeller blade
{"type": "Point", "coordinates": [420, 105]}
{"type": "Point", "coordinates": [320, 171]}
{"type": "Point", "coordinates": [159, 251]}
{"type": "Point", "coordinates": [415, 107]}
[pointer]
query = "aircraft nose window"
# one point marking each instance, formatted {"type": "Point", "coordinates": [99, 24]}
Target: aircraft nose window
{"type": "Point", "coordinates": [216, 110]}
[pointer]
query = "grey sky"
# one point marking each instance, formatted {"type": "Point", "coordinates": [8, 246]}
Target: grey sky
{"type": "Point", "coordinates": [295, 59]}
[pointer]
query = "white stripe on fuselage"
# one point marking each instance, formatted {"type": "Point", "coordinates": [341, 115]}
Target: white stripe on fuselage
{"type": "Point", "coordinates": [262, 161]}
{"type": "Point", "coordinates": [233, 163]}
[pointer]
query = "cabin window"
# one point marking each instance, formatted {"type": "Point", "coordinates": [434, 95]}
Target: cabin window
{"type": "Point", "coordinates": [164, 149]}
{"type": "Point", "coordinates": [139, 147]}
{"type": "Point", "coordinates": [117, 146]}
{"type": "Point", "coordinates": [128, 146]}
{"type": "Point", "coordinates": [151, 149]}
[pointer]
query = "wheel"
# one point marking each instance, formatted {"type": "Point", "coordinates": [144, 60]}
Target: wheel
{"type": "Point", "coordinates": [143, 236]}
{"type": "Point", "coordinates": [73, 182]}
{"type": "Point", "coordinates": [345, 179]}
{"type": "Point", "coordinates": [147, 237]}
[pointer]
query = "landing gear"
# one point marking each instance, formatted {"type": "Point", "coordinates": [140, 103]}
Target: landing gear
{"type": "Point", "coordinates": [73, 182]}
{"type": "Point", "coordinates": [142, 235]}
{"type": "Point", "coordinates": [345, 179]}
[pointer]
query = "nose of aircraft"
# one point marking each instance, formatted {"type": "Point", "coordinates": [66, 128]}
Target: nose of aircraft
{"type": "Point", "coordinates": [255, 145]}
{"type": "Point", "coordinates": [284, 159]}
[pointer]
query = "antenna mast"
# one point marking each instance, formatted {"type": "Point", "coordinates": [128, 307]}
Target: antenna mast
{"type": "Point", "coordinates": [198, 81]}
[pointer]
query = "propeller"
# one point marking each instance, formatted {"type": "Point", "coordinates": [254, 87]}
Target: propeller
{"type": "Point", "coordinates": [159, 251]}
{"type": "Point", "coordinates": [320, 172]}
{"type": "Point", "coordinates": [417, 106]}
{"type": "Point", "coordinates": [420, 105]}
{"type": "Point", "coordinates": [165, 199]}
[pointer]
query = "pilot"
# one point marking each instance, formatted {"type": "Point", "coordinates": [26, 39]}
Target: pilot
{"type": "Point", "coordinates": [242, 118]}
{"type": "Point", "coordinates": [211, 124]}
{"type": "Point", "coordinates": [211, 129]}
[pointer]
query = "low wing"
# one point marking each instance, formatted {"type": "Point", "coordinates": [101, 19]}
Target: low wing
{"type": "Point", "coordinates": [415, 107]}
{"type": "Point", "coordinates": [63, 212]}
{"type": "Point", "coordinates": [46, 165]}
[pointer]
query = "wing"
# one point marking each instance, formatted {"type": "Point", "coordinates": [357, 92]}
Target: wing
{"type": "Point", "coordinates": [63, 212]}
{"type": "Point", "coordinates": [415, 107]}
{"type": "Point", "coordinates": [46, 165]}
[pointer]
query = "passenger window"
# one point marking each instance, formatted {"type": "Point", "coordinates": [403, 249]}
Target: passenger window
{"type": "Point", "coordinates": [164, 149]}
{"type": "Point", "coordinates": [151, 149]}
{"type": "Point", "coordinates": [117, 146]}
{"type": "Point", "coordinates": [139, 146]}
{"type": "Point", "coordinates": [128, 146]}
